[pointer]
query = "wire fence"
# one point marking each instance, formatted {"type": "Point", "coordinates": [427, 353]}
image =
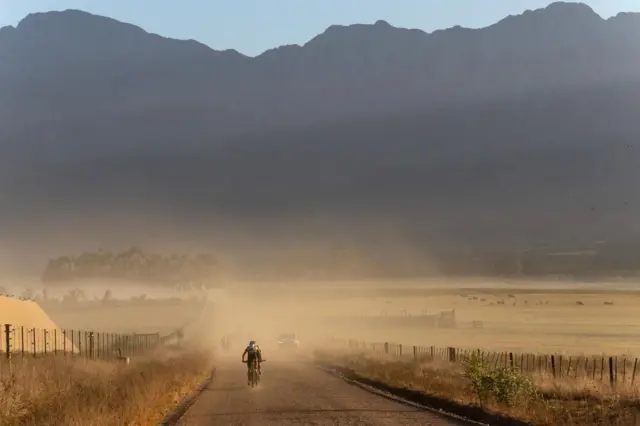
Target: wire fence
{"type": "Point", "coordinates": [20, 341]}
{"type": "Point", "coordinates": [613, 369]}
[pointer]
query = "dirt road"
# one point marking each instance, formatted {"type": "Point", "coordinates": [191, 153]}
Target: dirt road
{"type": "Point", "coordinates": [295, 393]}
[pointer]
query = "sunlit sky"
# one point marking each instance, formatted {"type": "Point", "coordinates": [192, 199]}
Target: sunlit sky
{"type": "Point", "coordinates": [252, 26]}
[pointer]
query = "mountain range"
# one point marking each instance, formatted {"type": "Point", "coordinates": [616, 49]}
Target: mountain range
{"type": "Point", "coordinates": [519, 134]}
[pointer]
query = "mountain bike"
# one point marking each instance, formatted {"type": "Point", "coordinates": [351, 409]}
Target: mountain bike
{"type": "Point", "coordinates": [253, 376]}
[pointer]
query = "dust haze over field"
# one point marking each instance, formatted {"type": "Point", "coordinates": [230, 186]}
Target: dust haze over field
{"type": "Point", "coordinates": [334, 182]}
{"type": "Point", "coordinates": [565, 317]}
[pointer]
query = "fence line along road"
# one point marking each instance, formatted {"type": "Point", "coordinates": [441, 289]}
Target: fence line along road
{"type": "Point", "coordinates": [615, 370]}
{"type": "Point", "coordinates": [36, 342]}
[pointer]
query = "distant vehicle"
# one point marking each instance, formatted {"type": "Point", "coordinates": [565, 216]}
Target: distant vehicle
{"type": "Point", "coordinates": [288, 341]}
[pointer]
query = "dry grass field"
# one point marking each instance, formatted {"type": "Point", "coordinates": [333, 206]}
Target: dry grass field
{"type": "Point", "coordinates": [570, 321]}
{"type": "Point", "coordinates": [512, 398]}
{"type": "Point", "coordinates": [544, 317]}
{"type": "Point", "coordinates": [565, 319]}
{"type": "Point", "coordinates": [40, 387]}
{"type": "Point", "coordinates": [77, 392]}
{"type": "Point", "coordinates": [548, 323]}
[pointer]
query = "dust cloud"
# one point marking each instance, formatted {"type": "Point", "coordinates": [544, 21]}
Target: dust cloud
{"type": "Point", "coordinates": [519, 315]}
{"type": "Point", "coordinates": [320, 277]}
{"type": "Point", "coordinates": [315, 310]}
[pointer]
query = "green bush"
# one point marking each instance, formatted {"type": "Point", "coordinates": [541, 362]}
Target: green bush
{"type": "Point", "coordinates": [503, 385]}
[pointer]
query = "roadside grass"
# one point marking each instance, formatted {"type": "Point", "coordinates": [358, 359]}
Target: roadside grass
{"type": "Point", "coordinates": [74, 391]}
{"type": "Point", "coordinates": [472, 384]}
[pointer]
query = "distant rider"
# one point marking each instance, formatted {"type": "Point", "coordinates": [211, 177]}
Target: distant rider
{"type": "Point", "coordinates": [253, 353]}
{"type": "Point", "coordinates": [225, 342]}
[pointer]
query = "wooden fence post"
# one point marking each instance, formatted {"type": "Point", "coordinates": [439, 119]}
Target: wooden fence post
{"type": "Point", "coordinates": [633, 376]}
{"type": "Point", "coordinates": [33, 342]}
{"type": "Point", "coordinates": [559, 369]}
{"type": "Point", "coordinates": [553, 365]}
{"type": "Point", "coordinates": [452, 354]}
{"type": "Point", "coordinates": [386, 347]}
{"type": "Point", "coordinates": [7, 340]}
{"type": "Point", "coordinates": [611, 381]}
{"type": "Point", "coordinates": [400, 349]}
{"type": "Point", "coordinates": [44, 337]}
{"type": "Point", "coordinates": [511, 360]}
{"type": "Point", "coordinates": [91, 346]}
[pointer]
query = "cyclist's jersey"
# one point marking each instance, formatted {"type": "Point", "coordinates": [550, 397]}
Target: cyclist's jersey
{"type": "Point", "coordinates": [252, 351]}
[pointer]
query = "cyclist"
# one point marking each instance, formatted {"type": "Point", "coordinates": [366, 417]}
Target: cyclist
{"type": "Point", "coordinates": [224, 342]}
{"type": "Point", "coordinates": [254, 354]}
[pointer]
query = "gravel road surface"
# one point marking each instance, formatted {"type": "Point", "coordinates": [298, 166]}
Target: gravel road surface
{"type": "Point", "coordinates": [296, 393]}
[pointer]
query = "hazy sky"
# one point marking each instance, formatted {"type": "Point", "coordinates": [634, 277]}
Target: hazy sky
{"type": "Point", "coordinates": [252, 26]}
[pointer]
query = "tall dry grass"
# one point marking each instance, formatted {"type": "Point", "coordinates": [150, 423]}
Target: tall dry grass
{"type": "Point", "coordinates": [564, 402]}
{"type": "Point", "coordinates": [74, 391]}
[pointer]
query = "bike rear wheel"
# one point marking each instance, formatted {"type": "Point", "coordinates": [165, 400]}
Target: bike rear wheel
{"type": "Point", "coordinates": [254, 376]}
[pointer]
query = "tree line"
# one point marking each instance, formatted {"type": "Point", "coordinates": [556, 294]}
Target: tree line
{"type": "Point", "coordinates": [132, 264]}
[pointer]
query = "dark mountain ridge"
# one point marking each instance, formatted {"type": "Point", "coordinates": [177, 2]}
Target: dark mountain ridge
{"type": "Point", "coordinates": [66, 60]}
{"type": "Point", "coordinates": [518, 134]}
